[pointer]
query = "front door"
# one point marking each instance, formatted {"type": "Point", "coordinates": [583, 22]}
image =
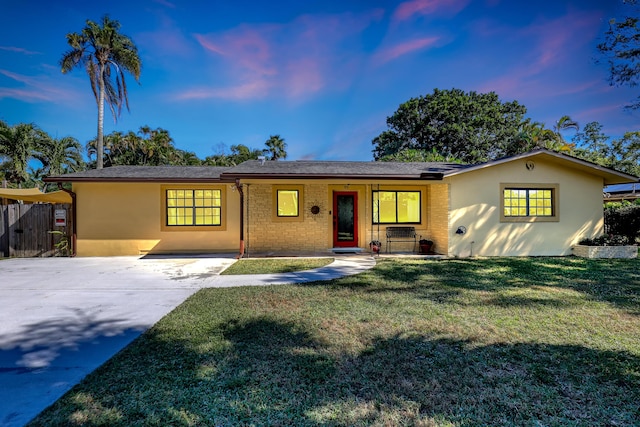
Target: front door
{"type": "Point", "coordinates": [345, 219]}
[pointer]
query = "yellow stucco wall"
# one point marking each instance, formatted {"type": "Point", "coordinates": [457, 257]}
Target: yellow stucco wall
{"type": "Point", "coordinates": [475, 203]}
{"type": "Point", "coordinates": [126, 219]}
{"type": "Point", "coordinates": [313, 233]}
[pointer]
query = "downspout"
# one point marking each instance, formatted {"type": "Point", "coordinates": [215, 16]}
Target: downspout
{"type": "Point", "coordinates": [241, 193]}
{"type": "Point", "coordinates": [74, 235]}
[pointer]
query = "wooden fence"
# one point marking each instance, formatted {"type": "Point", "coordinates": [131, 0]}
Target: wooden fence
{"type": "Point", "coordinates": [25, 229]}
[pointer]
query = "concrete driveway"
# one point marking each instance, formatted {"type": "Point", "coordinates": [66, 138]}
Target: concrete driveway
{"type": "Point", "coordinates": [60, 318]}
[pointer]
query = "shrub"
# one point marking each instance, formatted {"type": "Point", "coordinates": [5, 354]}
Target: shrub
{"type": "Point", "coordinates": [606, 240]}
{"type": "Point", "coordinates": [622, 219]}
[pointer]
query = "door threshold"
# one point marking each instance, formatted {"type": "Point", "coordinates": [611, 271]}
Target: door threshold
{"type": "Point", "coordinates": [346, 250]}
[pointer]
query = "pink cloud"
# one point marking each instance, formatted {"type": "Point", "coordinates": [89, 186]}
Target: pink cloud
{"type": "Point", "coordinates": [412, 8]}
{"type": "Point", "coordinates": [294, 60]}
{"type": "Point", "coordinates": [19, 50]}
{"type": "Point", "coordinates": [401, 49]}
{"type": "Point", "coordinates": [251, 90]}
{"type": "Point", "coordinates": [596, 113]}
{"type": "Point", "coordinates": [36, 89]}
{"type": "Point", "coordinates": [551, 47]}
{"type": "Point", "coordinates": [247, 47]}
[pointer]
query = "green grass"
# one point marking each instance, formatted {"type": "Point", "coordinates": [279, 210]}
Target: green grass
{"type": "Point", "coordinates": [275, 265]}
{"type": "Point", "coordinates": [500, 342]}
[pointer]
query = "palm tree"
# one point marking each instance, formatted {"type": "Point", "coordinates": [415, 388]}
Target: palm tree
{"type": "Point", "coordinates": [17, 144]}
{"type": "Point", "coordinates": [565, 123]}
{"type": "Point", "coordinates": [276, 147]}
{"type": "Point", "coordinates": [106, 55]}
{"type": "Point", "coordinates": [59, 156]}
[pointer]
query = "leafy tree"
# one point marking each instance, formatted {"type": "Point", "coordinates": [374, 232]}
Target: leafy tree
{"type": "Point", "coordinates": [220, 159]}
{"type": "Point", "coordinates": [531, 135]}
{"type": "Point", "coordinates": [621, 47]}
{"type": "Point", "coordinates": [413, 155]}
{"type": "Point", "coordinates": [622, 154]}
{"type": "Point", "coordinates": [472, 127]}
{"type": "Point", "coordinates": [17, 145]}
{"type": "Point", "coordinates": [151, 147]}
{"type": "Point", "coordinates": [239, 153]}
{"type": "Point", "coordinates": [276, 147]}
{"type": "Point", "coordinates": [105, 54]}
{"type": "Point", "coordinates": [627, 153]}
{"type": "Point", "coordinates": [187, 158]}
{"type": "Point", "coordinates": [593, 145]}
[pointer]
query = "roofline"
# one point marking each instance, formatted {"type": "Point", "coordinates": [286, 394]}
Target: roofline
{"type": "Point", "coordinates": [627, 177]}
{"type": "Point", "coordinates": [124, 179]}
{"type": "Point", "coordinates": [233, 176]}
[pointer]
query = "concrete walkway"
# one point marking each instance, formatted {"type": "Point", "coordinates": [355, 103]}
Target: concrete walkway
{"type": "Point", "coordinates": [61, 318]}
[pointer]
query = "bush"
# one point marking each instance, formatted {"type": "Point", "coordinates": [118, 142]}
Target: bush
{"type": "Point", "coordinates": [622, 219]}
{"type": "Point", "coordinates": [606, 240]}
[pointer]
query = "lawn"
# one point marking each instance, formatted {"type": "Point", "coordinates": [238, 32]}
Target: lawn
{"type": "Point", "coordinates": [275, 265]}
{"type": "Point", "coordinates": [500, 342]}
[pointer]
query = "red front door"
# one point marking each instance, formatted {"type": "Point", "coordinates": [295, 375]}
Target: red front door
{"type": "Point", "coordinates": [345, 219]}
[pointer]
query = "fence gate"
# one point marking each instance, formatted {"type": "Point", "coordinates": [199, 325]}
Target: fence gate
{"type": "Point", "coordinates": [25, 229]}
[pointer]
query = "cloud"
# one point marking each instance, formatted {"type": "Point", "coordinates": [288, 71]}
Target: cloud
{"type": "Point", "coordinates": [19, 50]}
{"type": "Point", "coordinates": [412, 8]}
{"type": "Point", "coordinates": [293, 60]}
{"type": "Point", "coordinates": [403, 48]}
{"type": "Point", "coordinates": [548, 59]}
{"type": "Point", "coordinates": [168, 42]}
{"type": "Point", "coordinates": [249, 90]}
{"type": "Point", "coordinates": [35, 89]}
{"type": "Point", "coordinates": [165, 3]}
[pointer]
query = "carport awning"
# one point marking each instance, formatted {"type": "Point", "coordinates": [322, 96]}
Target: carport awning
{"type": "Point", "coordinates": [35, 195]}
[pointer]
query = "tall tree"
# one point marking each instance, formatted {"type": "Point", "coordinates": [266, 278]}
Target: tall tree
{"type": "Point", "coordinates": [621, 47]}
{"type": "Point", "coordinates": [17, 145]}
{"type": "Point", "coordinates": [276, 147]}
{"type": "Point", "coordinates": [472, 127]}
{"type": "Point", "coordinates": [105, 54]}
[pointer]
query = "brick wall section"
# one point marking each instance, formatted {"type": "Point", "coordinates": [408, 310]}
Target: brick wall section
{"type": "Point", "coordinates": [314, 233]}
{"type": "Point", "coordinates": [438, 207]}
{"type": "Point", "coordinates": [310, 234]}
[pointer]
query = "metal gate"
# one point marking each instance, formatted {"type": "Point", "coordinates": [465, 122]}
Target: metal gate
{"type": "Point", "coordinates": [26, 230]}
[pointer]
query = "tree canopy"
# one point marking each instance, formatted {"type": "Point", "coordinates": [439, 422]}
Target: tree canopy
{"type": "Point", "coordinates": [469, 126]}
{"type": "Point", "coordinates": [621, 47]}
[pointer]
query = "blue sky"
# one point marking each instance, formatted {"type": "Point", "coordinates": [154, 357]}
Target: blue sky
{"type": "Point", "coordinates": [322, 74]}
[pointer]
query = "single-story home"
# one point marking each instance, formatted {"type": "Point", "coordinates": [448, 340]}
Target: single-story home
{"type": "Point", "coordinates": [537, 203]}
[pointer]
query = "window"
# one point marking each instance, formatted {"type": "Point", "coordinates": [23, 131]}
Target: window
{"type": "Point", "coordinates": [193, 207]}
{"type": "Point", "coordinates": [396, 207]}
{"type": "Point", "coordinates": [288, 203]}
{"type": "Point", "coordinates": [527, 203]}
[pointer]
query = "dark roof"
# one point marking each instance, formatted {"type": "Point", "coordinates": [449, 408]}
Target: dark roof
{"type": "Point", "coordinates": [144, 173]}
{"type": "Point", "coordinates": [326, 170]}
{"type": "Point", "coordinates": [334, 169]}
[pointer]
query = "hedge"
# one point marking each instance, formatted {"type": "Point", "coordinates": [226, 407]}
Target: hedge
{"type": "Point", "coordinates": [623, 219]}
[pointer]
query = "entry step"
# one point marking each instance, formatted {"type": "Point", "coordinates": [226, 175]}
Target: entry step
{"type": "Point", "coordinates": [346, 250]}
